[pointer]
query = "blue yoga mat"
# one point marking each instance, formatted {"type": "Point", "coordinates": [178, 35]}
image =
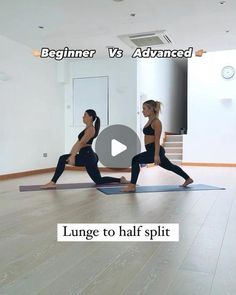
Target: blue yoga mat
{"type": "Point", "coordinates": [159, 188]}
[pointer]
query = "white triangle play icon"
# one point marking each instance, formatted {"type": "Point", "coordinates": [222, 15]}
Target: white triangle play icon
{"type": "Point", "coordinates": [117, 147]}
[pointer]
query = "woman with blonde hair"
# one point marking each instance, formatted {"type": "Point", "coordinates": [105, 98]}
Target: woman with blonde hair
{"type": "Point", "coordinates": [155, 153]}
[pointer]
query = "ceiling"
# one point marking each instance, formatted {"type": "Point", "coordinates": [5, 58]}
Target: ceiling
{"type": "Point", "coordinates": [95, 24]}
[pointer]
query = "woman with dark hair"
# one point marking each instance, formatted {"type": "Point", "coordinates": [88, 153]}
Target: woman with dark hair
{"type": "Point", "coordinates": [82, 154]}
{"type": "Point", "coordinates": [155, 153]}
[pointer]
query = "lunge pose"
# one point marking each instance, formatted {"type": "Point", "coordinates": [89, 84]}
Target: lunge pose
{"type": "Point", "coordinates": [82, 154]}
{"type": "Point", "coordinates": [155, 153]}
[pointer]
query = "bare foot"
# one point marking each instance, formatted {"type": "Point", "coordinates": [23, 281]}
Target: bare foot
{"type": "Point", "coordinates": [124, 180]}
{"type": "Point", "coordinates": [129, 188]}
{"type": "Point", "coordinates": [50, 184]}
{"type": "Point", "coordinates": [187, 182]}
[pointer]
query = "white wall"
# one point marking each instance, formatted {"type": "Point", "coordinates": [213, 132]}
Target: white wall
{"type": "Point", "coordinates": [211, 120]}
{"type": "Point", "coordinates": [31, 110]}
{"type": "Point", "coordinates": [163, 80]}
{"type": "Point", "coordinates": [122, 92]}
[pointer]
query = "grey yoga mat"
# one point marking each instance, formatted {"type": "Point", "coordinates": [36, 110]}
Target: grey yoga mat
{"type": "Point", "coordinates": [159, 188]}
{"type": "Point", "coordinates": [61, 186]}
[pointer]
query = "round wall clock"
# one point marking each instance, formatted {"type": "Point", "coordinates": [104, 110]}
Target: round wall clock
{"type": "Point", "coordinates": [228, 72]}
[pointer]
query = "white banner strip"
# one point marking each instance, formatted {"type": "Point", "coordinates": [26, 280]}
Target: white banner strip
{"type": "Point", "coordinates": [117, 232]}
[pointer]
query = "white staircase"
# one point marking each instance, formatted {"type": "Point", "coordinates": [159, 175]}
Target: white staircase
{"type": "Point", "coordinates": [174, 148]}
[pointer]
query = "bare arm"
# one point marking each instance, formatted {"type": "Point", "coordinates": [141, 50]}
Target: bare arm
{"type": "Point", "coordinates": [76, 148]}
{"type": "Point", "coordinates": [157, 128]}
{"type": "Point", "coordinates": [89, 133]}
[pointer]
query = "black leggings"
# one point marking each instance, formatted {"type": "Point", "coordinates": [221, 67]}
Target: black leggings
{"type": "Point", "coordinates": [87, 158]}
{"type": "Point", "coordinates": [148, 157]}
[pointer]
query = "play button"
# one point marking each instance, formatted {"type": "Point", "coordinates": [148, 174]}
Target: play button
{"type": "Point", "coordinates": [116, 145]}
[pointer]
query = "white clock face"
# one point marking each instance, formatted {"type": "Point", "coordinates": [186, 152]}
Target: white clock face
{"type": "Point", "coordinates": [228, 72]}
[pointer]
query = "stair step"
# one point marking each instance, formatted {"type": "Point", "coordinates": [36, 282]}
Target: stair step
{"type": "Point", "coordinates": [176, 161]}
{"type": "Point", "coordinates": [170, 150]}
{"type": "Point", "coordinates": [174, 138]}
{"type": "Point", "coordinates": [174, 156]}
{"type": "Point", "coordinates": [173, 144]}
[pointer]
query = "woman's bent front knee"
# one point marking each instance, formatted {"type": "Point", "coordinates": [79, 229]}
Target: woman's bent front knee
{"type": "Point", "coordinates": [63, 158]}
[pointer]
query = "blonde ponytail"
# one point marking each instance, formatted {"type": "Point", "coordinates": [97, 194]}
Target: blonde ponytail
{"type": "Point", "coordinates": [158, 107]}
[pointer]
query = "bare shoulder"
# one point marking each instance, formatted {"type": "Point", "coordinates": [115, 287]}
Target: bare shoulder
{"type": "Point", "coordinates": [156, 123]}
{"type": "Point", "coordinates": [90, 130]}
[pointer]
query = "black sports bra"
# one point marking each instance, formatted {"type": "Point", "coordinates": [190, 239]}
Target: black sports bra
{"type": "Point", "coordinates": [82, 134]}
{"type": "Point", "coordinates": [148, 130]}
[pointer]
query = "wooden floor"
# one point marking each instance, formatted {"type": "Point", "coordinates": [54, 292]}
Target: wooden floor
{"type": "Point", "coordinates": [202, 262]}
